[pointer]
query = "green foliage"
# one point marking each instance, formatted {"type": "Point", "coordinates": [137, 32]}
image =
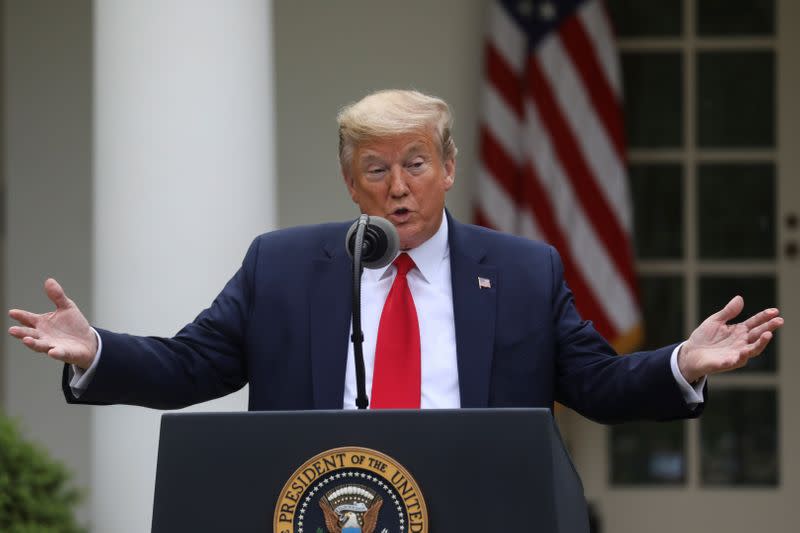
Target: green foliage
{"type": "Point", "coordinates": [36, 495]}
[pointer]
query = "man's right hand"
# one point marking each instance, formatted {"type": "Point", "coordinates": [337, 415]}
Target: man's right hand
{"type": "Point", "coordinates": [63, 334]}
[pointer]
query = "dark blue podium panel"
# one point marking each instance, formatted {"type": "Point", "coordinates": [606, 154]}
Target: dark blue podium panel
{"type": "Point", "coordinates": [478, 470]}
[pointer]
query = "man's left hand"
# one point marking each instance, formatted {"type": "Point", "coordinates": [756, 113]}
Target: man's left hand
{"type": "Point", "coordinates": [716, 346]}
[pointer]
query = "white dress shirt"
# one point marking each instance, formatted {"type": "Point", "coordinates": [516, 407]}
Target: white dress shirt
{"type": "Point", "coordinates": [432, 290]}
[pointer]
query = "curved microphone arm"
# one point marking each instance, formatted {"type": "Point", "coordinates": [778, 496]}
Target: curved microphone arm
{"type": "Point", "coordinates": [372, 242]}
{"type": "Point", "coordinates": [362, 401]}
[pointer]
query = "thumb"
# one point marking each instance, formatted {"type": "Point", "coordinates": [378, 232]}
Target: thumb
{"type": "Point", "coordinates": [56, 294]}
{"type": "Point", "coordinates": [731, 310]}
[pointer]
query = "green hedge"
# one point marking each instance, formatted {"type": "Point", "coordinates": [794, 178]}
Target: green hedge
{"type": "Point", "coordinates": [36, 494]}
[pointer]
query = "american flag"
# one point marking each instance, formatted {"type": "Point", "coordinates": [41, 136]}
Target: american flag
{"type": "Point", "coordinates": [552, 163]}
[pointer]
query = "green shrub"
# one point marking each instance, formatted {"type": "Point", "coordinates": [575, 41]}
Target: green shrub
{"type": "Point", "coordinates": [36, 495]}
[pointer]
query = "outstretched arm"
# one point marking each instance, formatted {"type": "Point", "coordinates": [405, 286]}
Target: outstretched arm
{"type": "Point", "coordinates": [63, 334]}
{"type": "Point", "coordinates": [716, 346]}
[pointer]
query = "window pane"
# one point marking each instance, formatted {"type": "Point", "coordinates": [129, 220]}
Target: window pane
{"type": "Point", "coordinates": [648, 453]}
{"type": "Point", "coordinates": [739, 438]}
{"type": "Point", "coordinates": [646, 18]}
{"type": "Point", "coordinates": [657, 191]}
{"type": "Point", "coordinates": [653, 98]}
{"type": "Point", "coordinates": [736, 210]}
{"type": "Point", "coordinates": [735, 17]}
{"type": "Point", "coordinates": [662, 307]}
{"type": "Point", "coordinates": [758, 293]}
{"type": "Point", "coordinates": [736, 99]}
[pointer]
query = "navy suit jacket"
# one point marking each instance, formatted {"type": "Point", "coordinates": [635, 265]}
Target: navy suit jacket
{"type": "Point", "coordinates": [282, 324]}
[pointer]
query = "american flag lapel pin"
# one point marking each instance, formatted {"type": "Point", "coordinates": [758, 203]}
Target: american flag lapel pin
{"type": "Point", "coordinates": [484, 283]}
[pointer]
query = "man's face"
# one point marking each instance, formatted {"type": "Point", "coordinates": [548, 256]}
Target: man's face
{"type": "Point", "coordinates": [404, 180]}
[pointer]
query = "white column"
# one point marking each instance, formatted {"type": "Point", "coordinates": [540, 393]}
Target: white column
{"type": "Point", "coordinates": [183, 180]}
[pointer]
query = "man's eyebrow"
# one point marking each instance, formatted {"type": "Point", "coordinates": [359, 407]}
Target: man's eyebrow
{"type": "Point", "coordinates": [370, 158]}
{"type": "Point", "coordinates": [416, 148]}
{"type": "Point", "coordinates": [413, 149]}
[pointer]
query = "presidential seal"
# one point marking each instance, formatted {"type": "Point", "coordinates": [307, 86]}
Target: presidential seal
{"type": "Point", "coordinates": [351, 490]}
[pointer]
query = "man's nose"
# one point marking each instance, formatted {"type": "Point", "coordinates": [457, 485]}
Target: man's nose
{"type": "Point", "coordinates": [398, 186]}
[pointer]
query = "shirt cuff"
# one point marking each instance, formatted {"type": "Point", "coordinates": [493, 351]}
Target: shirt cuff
{"type": "Point", "coordinates": [79, 379]}
{"type": "Point", "coordinates": [692, 394]}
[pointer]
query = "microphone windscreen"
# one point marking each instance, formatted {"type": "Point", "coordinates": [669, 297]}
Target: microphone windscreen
{"type": "Point", "coordinates": [392, 242]}
{"type": "Point", "coordinates": [381, 242]}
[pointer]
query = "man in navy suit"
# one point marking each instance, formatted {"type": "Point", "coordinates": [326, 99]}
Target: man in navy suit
{"type": "Point", "coordinates": [497, 324]}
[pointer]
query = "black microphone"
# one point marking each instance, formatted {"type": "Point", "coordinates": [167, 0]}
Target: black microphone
{"type": "Point", "coordinates": [372, 242]}
{"type": "Point", "coordinates": [381, 242]}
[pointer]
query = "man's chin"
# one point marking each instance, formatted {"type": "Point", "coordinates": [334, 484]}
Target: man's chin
{"type": "Point", "coordinates": [405, 242]}
{"type": "Point", "coordinates": [408, 237]}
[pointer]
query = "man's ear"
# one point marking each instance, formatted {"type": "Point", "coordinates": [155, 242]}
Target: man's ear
{"type": "Point", "coordinates": [449, 173]}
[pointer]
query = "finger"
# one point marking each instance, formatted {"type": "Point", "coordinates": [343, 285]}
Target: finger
{"type": "Point", "coordinates": [26, 318]}
{"type": "Point", "coordinates": [759, 318]}
{"type": "Point", "coordinates": [772, 325]}
{"type": "Point", "coordinates": [731, 310]}
{"type": "Point", "coordinates": [56, 294]}
{"type": "Point", "coordinates": [755, 349]}
{"type": "Point", "coordinates": [57, 353]}
{"type": "Point", "coordinates": [37, 345]}
{"type": "Point", "coordinates": [22, 332]}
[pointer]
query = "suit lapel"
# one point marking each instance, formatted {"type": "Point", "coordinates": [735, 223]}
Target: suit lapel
{"type": "Point", "coordinates": [330, 305]}
{"type": "Point", "coordinates": [474, 308]}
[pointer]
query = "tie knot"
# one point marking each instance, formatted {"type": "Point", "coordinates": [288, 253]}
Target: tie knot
{"type": "Point", "coordinates": [404, 263]}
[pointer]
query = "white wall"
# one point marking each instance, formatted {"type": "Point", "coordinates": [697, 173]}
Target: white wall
{"type": "Point", "coordinates": [331, 53]}
{"type": "Point", "coordinates": [48, 117]}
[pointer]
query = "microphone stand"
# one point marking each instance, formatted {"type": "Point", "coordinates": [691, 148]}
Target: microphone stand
{"type": "Point", "coordinates": [362, 401]}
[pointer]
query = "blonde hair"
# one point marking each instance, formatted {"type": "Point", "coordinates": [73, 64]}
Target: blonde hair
{"type": "Point", "coordinates": [390, 113]}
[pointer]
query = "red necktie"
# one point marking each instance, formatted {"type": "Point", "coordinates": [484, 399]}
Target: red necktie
{"type": "Point", "coordinates": [397, 376]}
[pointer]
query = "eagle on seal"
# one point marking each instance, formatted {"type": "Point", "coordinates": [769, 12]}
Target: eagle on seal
{"type": "Point", "coordinates": [350, 521]}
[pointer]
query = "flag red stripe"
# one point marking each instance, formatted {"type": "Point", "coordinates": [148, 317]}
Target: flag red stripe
{"type": "Point", "coordinates": [481, 219]}
{"type": "Point", "coordinates": [500, 165]}
{"type": "Point", "coordinates": [583, 56]}
{"type": "Point", "coordinates": [502, 76]}
{"type": "Point", "coordinates": [539, 201]}
{"type": "Point", "coordinates": [591, 198]}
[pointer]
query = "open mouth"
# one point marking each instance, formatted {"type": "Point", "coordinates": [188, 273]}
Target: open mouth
{"type": "Point", "coordinates": [399, 215]}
